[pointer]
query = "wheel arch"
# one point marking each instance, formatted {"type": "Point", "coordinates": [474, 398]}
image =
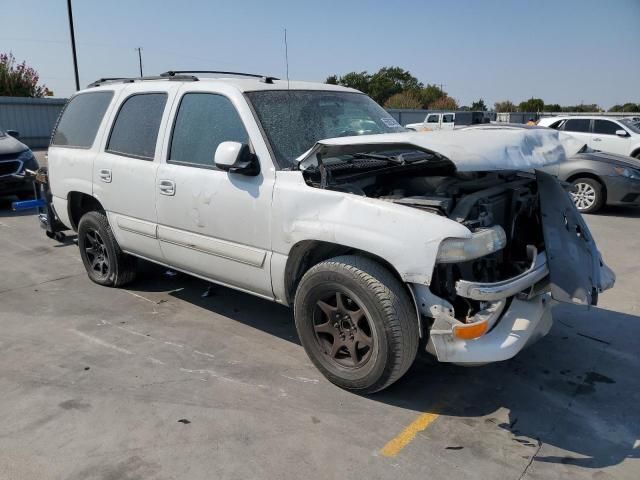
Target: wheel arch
{"type": "Point", "coordinates": [79, 203]}
{"type": "Point", "coordinates": [636, 153]}
{"type": "Point", "coordinates": [592, 176]}
{"type": "Point", "coordinates": [307, 253]}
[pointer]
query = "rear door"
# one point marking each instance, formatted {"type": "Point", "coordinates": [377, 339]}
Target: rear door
{"type": "Point", "coordinates": [125, 169]}
{"type": "Point", "coordinates": [604, 138]}
{"type": "Point", "coordinates": [579, 128]}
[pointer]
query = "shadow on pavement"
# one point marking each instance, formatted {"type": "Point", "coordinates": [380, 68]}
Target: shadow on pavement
{"type": "Point", "coordinates": [576, 390]}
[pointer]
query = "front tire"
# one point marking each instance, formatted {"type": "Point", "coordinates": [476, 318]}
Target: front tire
{"type": "Point", "coordinates": [105, 262]}
{"type": "Point", "coordinates": [587, 195]}
{"type": "Point", "coordinates": [357, 323]}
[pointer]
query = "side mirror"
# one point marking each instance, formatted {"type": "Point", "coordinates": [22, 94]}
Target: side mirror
{"type": "Point", "coordinates": [13, 133]}
{"type": "Point", "coordinates": [621, 133]}
{"type": "Point", "coordinates": [236, 157]}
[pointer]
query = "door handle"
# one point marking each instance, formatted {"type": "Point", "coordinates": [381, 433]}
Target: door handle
{"type": "Point", "coordinates": [167, 187]}
{"type": "Point", "coordinates": [105, 175]}
{"type": "Point", "coordinates": [597, 139]}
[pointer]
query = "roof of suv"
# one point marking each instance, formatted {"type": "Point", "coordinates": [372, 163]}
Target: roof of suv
{"type": "Point", "coordinates": [242, 84]}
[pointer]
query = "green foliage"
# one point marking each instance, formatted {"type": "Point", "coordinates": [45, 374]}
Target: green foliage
{"type": "Point", "coordinates": [358, 80]}
{"type": "Point", "coordinates": [478, 106]}
{"type": "Point", "coordinates": [532, 105]}
{"type": "Point", "coordinates": [444, 103]}
{"type": "Point", "coordinates": [332, 80]}
{"type": "Point", "coordinates": [505, 106]}
{"type": "Point", "coordinates": [408, 99]}
{"type": "Point", "coordinates": [582, 108]}
{"type": "Point", "coordinates": [430, 94]}
{"type": "Point", "coordinates": [552, 107]}
{"type": "Point", "coordinates": [19, 80]}
{"type": "Point", "coordinates": [627, 107]}
{"type": "Point", "coordinates": [391, 80]}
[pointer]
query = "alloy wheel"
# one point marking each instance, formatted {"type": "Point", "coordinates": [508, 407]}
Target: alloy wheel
{"type": "Point", "coordinates": [97, 254]}
{"type": "Point", "coordinates": [583, 195]}
{"type": "Point", "coordinates": [343, 330]}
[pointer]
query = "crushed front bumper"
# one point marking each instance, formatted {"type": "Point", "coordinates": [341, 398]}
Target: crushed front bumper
{"type": "Point", "coordinates": [516, 313]}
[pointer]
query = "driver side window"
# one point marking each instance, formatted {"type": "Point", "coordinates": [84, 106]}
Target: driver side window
{"type": "Point", "coordinates": [204, 121]}
{"type": "Point", "coordinates": [432, 119]}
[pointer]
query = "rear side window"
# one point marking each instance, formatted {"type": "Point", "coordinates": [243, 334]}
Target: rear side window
{"type": "Point", "coordinates": [204, 120]}
{"type": "Point", "coordinates": [135, 129]}
{"type": "Point", "coordinates": [577, 125]}
{"type": "Point", "coordinates": [605, 127]}
{"type": "Point", "coordinates": [80, 120]}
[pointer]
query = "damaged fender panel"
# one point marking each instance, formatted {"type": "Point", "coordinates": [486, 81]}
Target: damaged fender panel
{"type": "Point", "coordinates": [576, 269]}
{"type": "Point", "coordinates": [407, 238]}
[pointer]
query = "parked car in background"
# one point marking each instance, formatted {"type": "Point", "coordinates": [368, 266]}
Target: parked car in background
{"type": "Point", "coordinates": [435, 121]}
{"type": "Point", "coordinates": [612, 135]}
{"type": "Point", "coordinates": [15, 157]}
{"type": "Point", "coordinates": [600, 179]}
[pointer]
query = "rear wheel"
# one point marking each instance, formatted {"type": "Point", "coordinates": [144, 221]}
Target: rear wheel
{"type": "Point", "coordinates": [105, 262]}
{"type": "Point", "coordinates": [587, 195]}
{"type": "Point", "coordinates": [357, 323]}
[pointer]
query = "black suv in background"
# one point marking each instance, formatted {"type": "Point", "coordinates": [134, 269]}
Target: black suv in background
{"type": "Point", "coordinates": [15, 157]}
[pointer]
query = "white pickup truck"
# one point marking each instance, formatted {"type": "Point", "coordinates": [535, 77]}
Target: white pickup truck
{"type": "Point", "coordinates": [313, 196]}
{"type": "Point", "coordinates": [435, 121]}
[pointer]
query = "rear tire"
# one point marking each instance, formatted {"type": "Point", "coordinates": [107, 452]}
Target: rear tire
{"type": "Point", "coordinates": [105, 262]}
{"type": "Point", "coordinates": [587, 195]}
{"type": "Point", "coordinates": [357, 323]}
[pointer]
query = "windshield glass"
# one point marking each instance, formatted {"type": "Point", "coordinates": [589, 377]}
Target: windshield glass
{"type": "Point", "coordinates": [294, 120]}
{"type": "Point", "coordinates": [631, 125]}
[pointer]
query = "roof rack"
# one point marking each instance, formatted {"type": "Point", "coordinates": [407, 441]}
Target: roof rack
{"type": "Point", "coordinates": [263, 78]}
{"type": "Point", "coordinates": [102, 81]}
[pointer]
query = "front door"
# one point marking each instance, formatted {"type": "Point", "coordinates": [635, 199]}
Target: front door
{"type": "Point", "coordinates": [604, 138]}
{"type": "Point", "coordinates": [213, 223]}
{"type": "Point", "coordinates": [432, 122]}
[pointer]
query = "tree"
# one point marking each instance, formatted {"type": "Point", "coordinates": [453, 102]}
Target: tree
{"type": "Point", "coordinates": [532, 105]}
{"type": "Point", "coordinates": [552, 107]}
{"type": "Point", "coordinates": [430, 94]}
{"type": "Point", "coordinates": [19, 80]}
{"type": "Point", "coordinates": [627, 107]}
{"type": "Point", "coordinates": [478, 106]}
{"type": "Point", "coordinates": [505, 106]}
{"type": "Point", "coordinates": [391, 80]}
{"type": "Point", "coordinates": [409, 99]}
{"type": "Point", "coordinates": [332, 80]}
{"type": "Point", "coordinates": [444, 103]}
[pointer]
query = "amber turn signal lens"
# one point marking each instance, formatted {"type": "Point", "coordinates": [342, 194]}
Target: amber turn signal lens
{"type": "Point", "coordinates": [470, 330]}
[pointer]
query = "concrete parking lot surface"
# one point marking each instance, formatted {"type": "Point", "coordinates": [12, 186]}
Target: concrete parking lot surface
{"type": "Point", "coordinates": [158, 381]}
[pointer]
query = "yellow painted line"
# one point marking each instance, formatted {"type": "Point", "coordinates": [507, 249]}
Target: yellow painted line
{"type": "Point", "coordinates": [406, 436]}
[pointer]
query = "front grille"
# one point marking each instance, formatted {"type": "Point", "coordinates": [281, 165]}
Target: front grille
{"type": "Point", "coordinates": [10, 167]}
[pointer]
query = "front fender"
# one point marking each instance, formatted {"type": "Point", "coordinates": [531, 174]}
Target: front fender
{"type": "Point", "coordinates": [405, 237]}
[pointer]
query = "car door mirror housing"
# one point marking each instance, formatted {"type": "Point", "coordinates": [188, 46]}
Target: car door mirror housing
{"type": "Point", "coordinates": [621, 133]}
{"type": "Point", "coordinates": [236, 157]}
{"type": "Point", "coordinates": [13, 133]}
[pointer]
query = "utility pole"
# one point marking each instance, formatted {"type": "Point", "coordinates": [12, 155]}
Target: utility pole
{"type": "Point", "coordinates": [139, 49]}
{"type": "Point", "coordinates": [73, 45]}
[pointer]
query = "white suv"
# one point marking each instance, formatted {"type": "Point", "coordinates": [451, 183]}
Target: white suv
{"type": "Point", "coordinates": [378, 237]}
{"type": "Point", "coordinates": [612, 135]}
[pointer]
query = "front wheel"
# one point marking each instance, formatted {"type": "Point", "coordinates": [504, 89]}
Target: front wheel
{"type": "Point", "coordinates": [357, 323]}
{"type": "Point", "coordinates": [587, 195]}
{"type": "Point", "coordinates": [105, 262]}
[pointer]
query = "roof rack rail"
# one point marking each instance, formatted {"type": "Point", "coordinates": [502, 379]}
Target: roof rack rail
{"type": "Point", "coordinates": [102, 81]}
{"type": "Point", "coordinates": [263, 78]}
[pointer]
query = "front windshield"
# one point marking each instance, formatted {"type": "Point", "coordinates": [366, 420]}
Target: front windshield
{"type": "Point", "coordinates": [631, 125]}
{"type": "Point", "coordinates": [294, 120]}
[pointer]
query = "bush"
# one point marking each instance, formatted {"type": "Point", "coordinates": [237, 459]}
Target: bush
{"type": "Point", "coordinates": [444, 103]}
{"type": "Point", "coordinates": [19, 80]}
{"type": "Point", "coordinates": [408, 99]}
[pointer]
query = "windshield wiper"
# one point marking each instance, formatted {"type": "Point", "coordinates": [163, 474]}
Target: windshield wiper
{"type": "Point", "coordinates": [399, 159]}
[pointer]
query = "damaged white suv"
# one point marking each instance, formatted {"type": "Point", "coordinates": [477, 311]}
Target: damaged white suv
{"type": "Point", "coordinates": [313, 196]}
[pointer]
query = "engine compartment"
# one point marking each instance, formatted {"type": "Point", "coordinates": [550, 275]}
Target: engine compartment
{"type": "Point", "coordinates": [475, 199]}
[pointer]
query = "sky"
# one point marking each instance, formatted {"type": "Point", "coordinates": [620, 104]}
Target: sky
{"type": "Point", "coordinates": [563, 51]}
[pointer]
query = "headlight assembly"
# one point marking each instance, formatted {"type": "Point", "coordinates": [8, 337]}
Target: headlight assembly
{"type": "Point", "coordinates": [483, 242]}
{"type": "Point", "coordinates": [627, 172]}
